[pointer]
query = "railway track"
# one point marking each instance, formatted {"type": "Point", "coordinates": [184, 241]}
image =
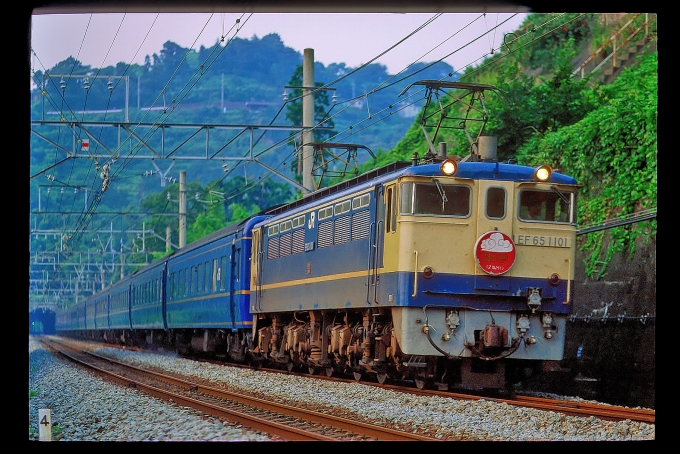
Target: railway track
{"type": "Point", "coordinates": [560, 405]}
{"type": "Point", "coordinates": [283, 421]}
{"type": "Point", "coordinates": [578, 408]}
{"type": "Point", "coordinates": [568, 407]}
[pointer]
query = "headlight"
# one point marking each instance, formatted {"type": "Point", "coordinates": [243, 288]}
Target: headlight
{"type": "Point", "coordinates": [449, 167]}
{"type": "Point", "coordinates": [543, 173]}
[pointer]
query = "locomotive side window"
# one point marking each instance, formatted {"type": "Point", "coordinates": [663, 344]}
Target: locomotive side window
{"type": "Point", "coordinates": [360, 202]}
{"type": "Point", "coordinates": [299, 221]}
{"type": "Point", "coordinates": [495, 203]}
{"type": "Point", "coordinates": [435, 199]}
{"type": "Point", "coordinates": [546, 206]}
{"type": "Point", "coordinates": [341, 208]}
{"type": "Point", "coordinates": [325, 213]}
{"type": "Point", "coordinates": [390, 215]}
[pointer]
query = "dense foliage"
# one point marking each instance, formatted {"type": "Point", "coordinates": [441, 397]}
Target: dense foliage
{"type": "Point", "coordinates": [602, 134]}
{"type": "Point", "coordinates": [612, 152]}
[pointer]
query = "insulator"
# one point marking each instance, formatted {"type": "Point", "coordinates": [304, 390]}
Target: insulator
{"type": "Point", "coordinates": [110, 85]}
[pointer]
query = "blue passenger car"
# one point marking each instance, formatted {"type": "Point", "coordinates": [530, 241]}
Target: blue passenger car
{"type": "Point", "coordinates": [208, 291]}
{"type": "Point", "coordinates": [208, 284]}
{"type": "Point", "coordinates": [101, 310]}
{"type": "Point", "coordinates": [147, 298]}
{"type": "Point", "coordinates": [119, 306]}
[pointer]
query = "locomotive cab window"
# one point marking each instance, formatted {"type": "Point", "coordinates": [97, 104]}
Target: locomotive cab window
{"type": "Point", "coordinates": [495, 203]}
{"type": "Point", "coordinates": [547, 206]}
{"type": "Point", "coordinates": [434, 198]}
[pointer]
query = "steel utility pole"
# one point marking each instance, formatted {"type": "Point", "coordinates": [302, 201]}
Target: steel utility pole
{"type": "Point", "coordinates": [182, 209]}
{"type": "Point", "coordinates": [308, 119]}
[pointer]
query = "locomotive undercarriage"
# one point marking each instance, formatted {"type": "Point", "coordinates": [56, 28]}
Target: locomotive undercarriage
{"type": "Point", "coordinates": [362, 344]}
{"type": "Point", "coordinates": [358, 343]}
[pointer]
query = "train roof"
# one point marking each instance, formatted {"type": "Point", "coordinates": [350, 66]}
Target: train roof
{"type": "Point", "coordinates": [485, 170]}
{"type": "Point", "coordinates": [488, 170]}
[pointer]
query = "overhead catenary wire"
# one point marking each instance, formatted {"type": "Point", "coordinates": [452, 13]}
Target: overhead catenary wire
{"type": "Point", "coordinates": [88, 214]}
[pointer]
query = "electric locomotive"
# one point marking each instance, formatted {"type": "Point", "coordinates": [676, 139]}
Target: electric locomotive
{"type": "Point", "coordinates": [433, 272]}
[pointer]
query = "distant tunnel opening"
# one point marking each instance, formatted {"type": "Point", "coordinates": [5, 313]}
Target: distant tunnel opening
{"type": "Point", "coordinates": [41, 321]}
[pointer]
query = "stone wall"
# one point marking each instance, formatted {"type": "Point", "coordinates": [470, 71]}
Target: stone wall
{"type": "Point", "coordinates": [610, 345]}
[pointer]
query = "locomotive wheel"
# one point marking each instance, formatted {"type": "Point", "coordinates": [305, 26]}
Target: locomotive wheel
{"type": "Point", "coordinates": [289, 366]}
{"type": "Point", "coordinates": [420, 384]}
{"type": "Point", "coordinates": [357, 376]}
{"type": "Point", "coordinates": [311, 370]}
{"type": "Point", "coordinates": [382, 378]}
{"type": "Point", "coordinates": [329, 371]}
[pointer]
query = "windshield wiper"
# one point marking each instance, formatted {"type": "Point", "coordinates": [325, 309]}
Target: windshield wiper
{"type": "Point", "coordinates": [561, 194]}
{"type": "Point", "coordinates": [442, 195]}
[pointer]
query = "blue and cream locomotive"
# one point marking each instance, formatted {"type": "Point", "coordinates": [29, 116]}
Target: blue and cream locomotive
{"type": "Point", "coordinates": [435, 272]}
{"type": "Point", "coordinates": [445, 271]}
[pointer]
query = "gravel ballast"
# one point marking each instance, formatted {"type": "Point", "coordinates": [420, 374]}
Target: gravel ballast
{"type": "Point", "coordinates": [84, 408]}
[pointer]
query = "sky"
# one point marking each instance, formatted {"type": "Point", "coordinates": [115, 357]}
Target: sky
{"type": "Point", "coordinates": [105, 39]}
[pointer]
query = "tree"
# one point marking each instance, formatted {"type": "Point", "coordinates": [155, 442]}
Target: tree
{"type": "Point", "coordinates": [531, 107]}
{"type": "Point", "coordinates": [252, 196]}
{"type": "Point", "coordinates": [206, 223]}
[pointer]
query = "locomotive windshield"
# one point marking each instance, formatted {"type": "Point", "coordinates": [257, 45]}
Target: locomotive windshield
{"type": "Point", "coordinates": [546, 206]}
{"type": "Point", "coordinates": [435, 199]}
